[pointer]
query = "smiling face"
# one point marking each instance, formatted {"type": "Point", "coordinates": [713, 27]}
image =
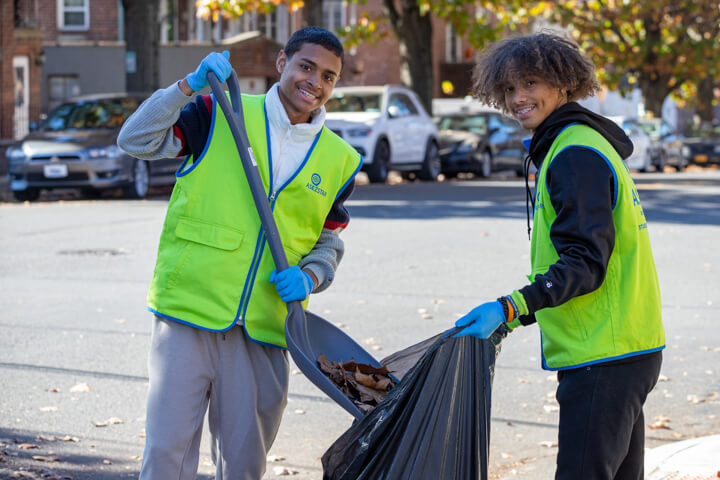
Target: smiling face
{"type": "Point", "coordinates": [530, 100]}
{"type": "Point", "coordinates": [307, 79]}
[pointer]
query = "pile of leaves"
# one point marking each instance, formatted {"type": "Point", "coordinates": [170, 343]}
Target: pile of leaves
{"type": "Point", "coordinates": [363, 384]}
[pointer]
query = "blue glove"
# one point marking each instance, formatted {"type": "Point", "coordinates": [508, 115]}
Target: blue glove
{"type": "Point", "coordinates": [482, 321]}
{"type": "Point", "coordinates": [215, 63]}
{"type": "Point", "coordinates": [292, 284]}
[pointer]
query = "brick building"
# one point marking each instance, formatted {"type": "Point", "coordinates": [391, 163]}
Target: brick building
{"type": "Point", "coordinates": [54, 49]}
{"type": "Point", "coordinates": [21, 61]}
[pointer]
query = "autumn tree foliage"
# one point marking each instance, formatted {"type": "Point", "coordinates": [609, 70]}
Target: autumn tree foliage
{"type": "Point", "coordinates": [662, 47]}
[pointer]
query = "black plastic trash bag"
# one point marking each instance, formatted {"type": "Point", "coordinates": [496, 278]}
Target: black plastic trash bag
{"type": "Point", "coordinates": [434, 425]}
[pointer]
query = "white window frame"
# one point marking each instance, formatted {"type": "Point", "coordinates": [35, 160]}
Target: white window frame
{"type": "Point", "coordinates": [61, 9]}
{"type": "Point", "coordinates": [331, 6]}
{"type": "Point", "coordinates": [452, 39]}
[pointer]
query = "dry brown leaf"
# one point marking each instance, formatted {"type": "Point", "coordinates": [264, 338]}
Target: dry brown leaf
{"type": "Point", "coordinates": [27, 446]}
{"type": "Point", "coordinates": [275, 458]}
{"type": "Point", "coordinates": [80, 388]}
{"type": "Point", "coordinates": [548, 444]}
{"type": "Point", "coordinates": [43, 458]}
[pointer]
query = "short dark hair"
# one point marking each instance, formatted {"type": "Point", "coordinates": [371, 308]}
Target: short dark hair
{"type": "Point", "coordinates": [317, 35]}
{"type": "Point", "coordinates": [547, 55]}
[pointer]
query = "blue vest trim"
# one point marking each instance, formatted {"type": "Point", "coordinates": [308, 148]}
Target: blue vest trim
{"type": "Point", "coordinates": [180, 172]}
{"type": "Point", "coordinates": [178, 320]}
{"type": "Point", "coordinates": [352, 177]}
{"type": "Point", "coordinates": [269, 148]}
{"type": "Point", "coordinates": [248, 278]}
{"type": "Point", "coordinates": [609, 164]}
{"type": "Point", "coordinates": [601, 360]}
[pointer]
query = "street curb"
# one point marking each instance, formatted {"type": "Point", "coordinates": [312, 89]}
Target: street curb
{"type": "Point", "coordinates": [694, 459]}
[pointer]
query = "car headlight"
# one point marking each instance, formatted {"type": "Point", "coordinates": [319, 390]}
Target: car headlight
{"type": "Point", "coordinates": [359, 132]}
{"type": "Point", "coordinates": [465, 147]}
{"type": "Point", "coordinates": [15, 155]}
{"type": "Point", "coordinates": [111, 151]}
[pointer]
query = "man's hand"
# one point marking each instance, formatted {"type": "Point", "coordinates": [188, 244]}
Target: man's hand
{"type": "Point", "coordinates": [292, 284]}
{"type": "Point", "coordinates": [214, 62]}
{"type": "Point", "coordinates": [482, 321]}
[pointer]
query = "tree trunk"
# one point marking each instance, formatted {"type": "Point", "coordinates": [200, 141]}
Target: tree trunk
{"type": "Point", "coordinates": [705, 95]}
{"type": "Point", "coordinates": [312, 13]}
{"type": "Point", "coordinates": [654, 89]}
{"type": "Point", "coordinates": [142, 38]}
{"type": "Point", "coordinates": [414, 34]}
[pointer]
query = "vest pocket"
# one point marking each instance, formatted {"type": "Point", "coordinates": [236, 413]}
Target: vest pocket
{"type": "Point", "coordinates": [207, 251]}
{"type": "Point", "coordinates": [213, 235]}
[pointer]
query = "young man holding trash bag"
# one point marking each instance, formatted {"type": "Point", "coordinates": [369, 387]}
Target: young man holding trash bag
{"type": "Point", "coordinates": [218, 337]}
{"type": "Point", "coordinates": [594, 290]}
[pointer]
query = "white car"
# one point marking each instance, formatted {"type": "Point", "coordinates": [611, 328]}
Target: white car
{"type": "Point", "coordinates": [389, 127]}
{"type": "Point", "coordinates": [641, 158]}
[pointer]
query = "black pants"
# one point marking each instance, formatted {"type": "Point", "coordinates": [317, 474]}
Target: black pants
{"type": "Point", "coordinates": [602, 428]}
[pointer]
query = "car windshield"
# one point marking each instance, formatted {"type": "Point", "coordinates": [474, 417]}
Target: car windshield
{"type": "Point", "coordinates": [353, 102]}
{"type": "Point", "coordinates": [474, 124]}
{"type": "Point", "coordinates": [97, 114]}
{"type": "Point", "coordinates": [706, 130]}
{"type": "Point", "coordinates": [651, 128]}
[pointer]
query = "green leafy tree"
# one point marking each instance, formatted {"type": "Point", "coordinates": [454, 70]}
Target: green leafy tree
{"type": "Point", "coordinates": [663, 47]}
{"type": "Point", "coordinates": [410, 21]}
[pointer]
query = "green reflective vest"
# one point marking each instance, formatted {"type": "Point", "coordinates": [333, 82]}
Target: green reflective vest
{"type": "Point", "coordinates": [213, 265]}
{"type": "Point", "coordinates": [621, 318]}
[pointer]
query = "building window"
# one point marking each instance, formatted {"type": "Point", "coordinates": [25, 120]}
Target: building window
{"type": "Point", "coordinates": [333, 14]}
{"type": "Point", "coordinates": [453, 45]}
{"type": "Point", "coordinates": [73, 14]}
{"type": "Point", "coordinates": [60, 88]}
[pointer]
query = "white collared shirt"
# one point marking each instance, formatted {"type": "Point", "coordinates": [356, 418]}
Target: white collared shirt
{"type": "Point", "coordinates": [289, 144]}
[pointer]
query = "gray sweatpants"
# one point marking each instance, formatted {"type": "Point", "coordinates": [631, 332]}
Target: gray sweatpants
{"type": "Point", "coordinates": [244, 384]}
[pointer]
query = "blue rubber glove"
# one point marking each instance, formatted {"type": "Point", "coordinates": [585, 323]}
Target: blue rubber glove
{"type": "Point", "coordinates": [482, 321]}
{"type": "Point", "coordinates": [292, 284]}
{"type": "Point", "coordinates": [214, 62]}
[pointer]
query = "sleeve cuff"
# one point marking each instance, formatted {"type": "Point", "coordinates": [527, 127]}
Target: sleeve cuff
{"type": "Point", "coordinates": [321, 275]}
{"type": "Point", "coordinates": [519, 302]}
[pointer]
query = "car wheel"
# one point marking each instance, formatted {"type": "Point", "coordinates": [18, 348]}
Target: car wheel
{"type": "Point", "coordinates": [377, 171]}
{"type": "Point", "coordinates": [648, 163]}
{"type": "Point", "coordinates": [27, 195]}
{"type": "Point", "coordinates": [140, 181]}
{"type": "Point", "coordinates": [485, 167]}
{"type": "Point", "coordinates": [681, 164]}
{"type": "Point", "coordinates": [431, 163]}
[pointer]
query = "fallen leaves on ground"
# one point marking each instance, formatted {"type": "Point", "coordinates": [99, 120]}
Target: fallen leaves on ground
{"type": "Point", "coordinates": [363, 384]}
{"type": "Point", "coordinates": [44, 458]}
{"type": "Point", "coordinates": [661, 421]}
{"type": "Point", "coordinates": [281, 471]}
{"type": "Point", "coordinates": [80, 388]}
{"type": "Point", "coordinates": [109, 421]}
{"type": "Point", "coordinates": [548, 444]}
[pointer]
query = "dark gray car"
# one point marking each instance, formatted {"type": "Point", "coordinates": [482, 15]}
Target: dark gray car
{"type": "Point", "coordinates": [75, 147]}
{"type": "Point", "coordinates": [480, 142]}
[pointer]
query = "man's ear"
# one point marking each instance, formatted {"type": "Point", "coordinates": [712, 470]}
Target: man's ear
{"type": "Point", "coordinates": [281, 61]}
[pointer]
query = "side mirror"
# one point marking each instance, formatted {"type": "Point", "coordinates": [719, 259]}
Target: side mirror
{"type": "Point", "coordinates": [33, 126]}
{"type": "Point", "coordinates": [393, 111]}
{"type": "Point", "coordinates": [493, 131]}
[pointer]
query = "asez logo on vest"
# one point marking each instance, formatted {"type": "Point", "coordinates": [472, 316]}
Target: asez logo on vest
{"type": "Point", "coordinates": [314, 184]}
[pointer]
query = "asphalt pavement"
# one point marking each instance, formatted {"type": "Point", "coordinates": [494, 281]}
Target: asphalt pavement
{"type": "Point", "coordinates": [75, 332]}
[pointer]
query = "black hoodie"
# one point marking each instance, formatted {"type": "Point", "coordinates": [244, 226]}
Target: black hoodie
{"type": "Point", "coordinates": [581, 188]}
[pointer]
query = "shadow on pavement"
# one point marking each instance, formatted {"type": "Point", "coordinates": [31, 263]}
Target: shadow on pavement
{"type": "Point", "coordinates": [52, 456]}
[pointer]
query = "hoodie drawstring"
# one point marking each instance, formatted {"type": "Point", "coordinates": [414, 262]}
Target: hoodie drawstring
{"type": "Point", "coordinates": [529, 199]}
